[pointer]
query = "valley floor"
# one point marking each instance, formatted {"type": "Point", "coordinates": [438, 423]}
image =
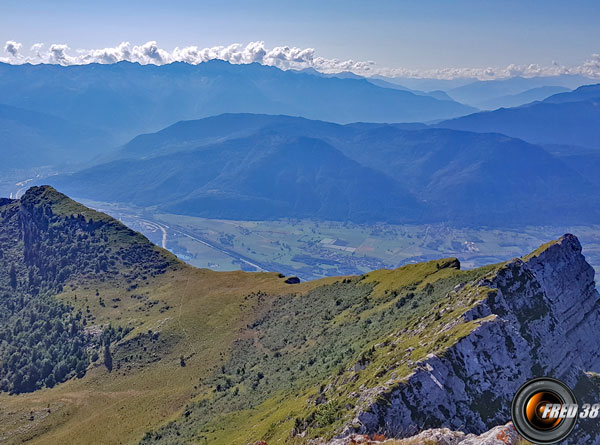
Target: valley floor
{"type": "Point", "coordinates": [316, 249]}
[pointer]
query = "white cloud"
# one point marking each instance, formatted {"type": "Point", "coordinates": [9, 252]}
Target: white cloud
{"type": "Point", "coordinates": [592, 65]}
{"type": "Point", "coordinates": [36, 49]}
{"type": "Point", "coordinates": [283, 57]}
{"type": "Point", "coordinates": [58, 54]}
{"type": "Point", "coordinates": [12, 48]}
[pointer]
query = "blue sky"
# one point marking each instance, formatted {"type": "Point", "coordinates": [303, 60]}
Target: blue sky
{"type": "Point", "coordinates": [419, 34]}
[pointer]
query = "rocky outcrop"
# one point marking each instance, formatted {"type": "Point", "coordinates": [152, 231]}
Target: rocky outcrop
{"type": "Point", "coordinates": [500, 435]}
{"type": "Point", "coordinates": [541, 319]}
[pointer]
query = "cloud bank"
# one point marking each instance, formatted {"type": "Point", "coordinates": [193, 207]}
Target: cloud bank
{"type": "Point", "coordinates": [283, 57]}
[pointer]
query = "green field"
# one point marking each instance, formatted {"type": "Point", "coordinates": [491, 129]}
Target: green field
{"type": "Point", "coordinates": [314, 249]}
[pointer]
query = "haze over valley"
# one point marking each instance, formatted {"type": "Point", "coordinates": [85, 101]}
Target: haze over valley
{"type": "Point", "coordinates": [456, 176]}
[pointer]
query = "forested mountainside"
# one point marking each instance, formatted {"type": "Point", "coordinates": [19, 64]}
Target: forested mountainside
{"type": "Point", "coordinates": [245, 166]}
{"type": "Point", "coordinates": [189, 355]}
{"type": "Point", "coordinates": [46, 241]}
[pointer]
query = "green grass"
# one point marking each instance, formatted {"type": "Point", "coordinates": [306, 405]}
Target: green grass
{"type": "Point", "coordinates": [233, 357]}
{"type": "Point", "coordinates": [300, 342]}
{"type": "Point", "coordinates": [537, 252]}
{"type": "Point", "coordinates": [392, 358]}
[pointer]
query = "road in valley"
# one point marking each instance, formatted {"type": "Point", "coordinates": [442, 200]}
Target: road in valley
{"type": "Point", "coordinates": [151, 224]}
{"type": "Point", "coordinates": [22, 188]}
{"type": "Point", "coordinates": [154, 225]}
{"type": "Point", "coordinates": [160, 227]}
{"type": "Point", "coordinates": [234, 255]}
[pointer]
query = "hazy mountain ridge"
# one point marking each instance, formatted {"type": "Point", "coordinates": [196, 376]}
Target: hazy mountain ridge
{"type": "Point", "coordinates": [33, 139]}
{"type": "Point", "coordinates": [189, 135]}
{"type": "Point", "coordinates": [128, 99]}
{"type": "Point", "coordinates": [478, 92]}
{"type": "Point", "coordinates": [238, 166]}
{"type": "Point", "coordinates": [585, 92]}
{"type": "Point", "coordinates": [566, 118]}
{"type": "Point", "coordinates": [262, 176]}
{"type": "Point", "coordinates": [525, 97]}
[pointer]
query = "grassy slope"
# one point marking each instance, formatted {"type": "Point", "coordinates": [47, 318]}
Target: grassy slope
{"type": "Point", "coordinates": [207, 312]}
{"type": "Point", "coordinates": [119, 407]}
{"type": "Point", "coordinates": [195, 307]}
{"type": "Point", "coordinates": [294, 343]}
{"type": "Point", "coordinates": [331, 328]}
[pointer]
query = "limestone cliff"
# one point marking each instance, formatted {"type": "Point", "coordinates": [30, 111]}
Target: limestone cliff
{"type": "Point", "coordinates": [539, 318]}
{"type": "Point", "coordinates": [500, 435]}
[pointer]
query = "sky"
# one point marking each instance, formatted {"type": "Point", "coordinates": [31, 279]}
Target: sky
{"type": "Point", "coordinates": [418, 36]}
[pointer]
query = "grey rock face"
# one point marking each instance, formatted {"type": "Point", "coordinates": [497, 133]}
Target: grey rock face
{"type": "Point", "coordinates": [500, 435]}
{"type": "Point", "coordinates": [542, 320]}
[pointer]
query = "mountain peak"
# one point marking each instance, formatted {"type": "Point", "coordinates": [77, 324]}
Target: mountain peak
{"type": "Point", "coordinates": [517, 313]}
{"type": "Point", "coordinates": [61, 205]}
{"type": "Point", "coordinates": [50, 221]}
{"type": "Point", "coordinates": [45, 192]}
{"type": "Point", "coordinates": [568, 244]}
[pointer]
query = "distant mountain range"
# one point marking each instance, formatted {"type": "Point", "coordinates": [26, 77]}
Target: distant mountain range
{"type": "Point", "coordinates": [55, 115]}
{"type": "Point", "coordinates": [127, 99]}
{"type": "Point", "coordinates": [264, 176]}
{"type": "Point", "coordinates": [33, 139]}
{"type": "Point", "coordinates": [527, 164]}
{"type": "Point", "coordinates": [379, 81]}
{"type": "Point", "coordinates": [525, 97]}
{"type": "Point", "coordinates": [485, 93]}
{"type": "Point", "coordinates": [244, 166]}
{"type": "Point", "coordinates": [570, 118]}
{"type": "Point", "coordinates": [475, 91]}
